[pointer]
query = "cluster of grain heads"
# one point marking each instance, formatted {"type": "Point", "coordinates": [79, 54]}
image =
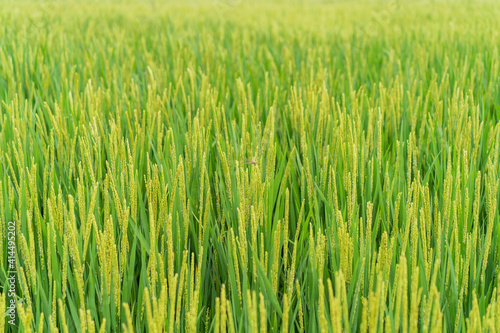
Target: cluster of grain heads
{"type": "Point", "coordinates": [201, 173]}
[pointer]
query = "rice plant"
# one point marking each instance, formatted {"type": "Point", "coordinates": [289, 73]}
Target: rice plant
{"type": "Point", "coordinates": [249, 167]}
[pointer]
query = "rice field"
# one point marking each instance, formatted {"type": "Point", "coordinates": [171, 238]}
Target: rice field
{"type": "Point", "coordinates": [239, 166]}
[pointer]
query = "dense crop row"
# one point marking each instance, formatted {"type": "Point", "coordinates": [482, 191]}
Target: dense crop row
{"type": "Point", "coordinates": [249, 167]}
